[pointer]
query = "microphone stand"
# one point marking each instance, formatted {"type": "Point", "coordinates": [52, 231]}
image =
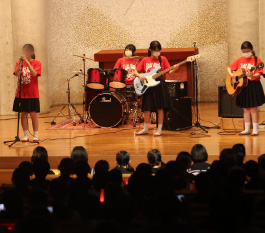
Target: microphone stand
{"type": "Point", "coordinates": [17, 139]}
{"type": "Point", "coordinates": [196, 67]}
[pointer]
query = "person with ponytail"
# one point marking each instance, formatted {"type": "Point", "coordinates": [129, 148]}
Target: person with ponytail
{"type": "Point", "coordinates": [127, 63]}
{"type": "Point", "coordinates": [155, 99]}
{"type": "Point", "coordinates": [155, 160]}
{"type": "Point", "coordinates": [123, 162]}
{"type": "Point", "coordinates": [252, 95]}
{"type": "Point", "coordinates": [29, 102]}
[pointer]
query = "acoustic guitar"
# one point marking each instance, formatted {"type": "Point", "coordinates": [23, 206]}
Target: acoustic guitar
{"type": "Point", "coordinates": [235, 85]}
{"type": "Point", "coordinates": [142, 86]}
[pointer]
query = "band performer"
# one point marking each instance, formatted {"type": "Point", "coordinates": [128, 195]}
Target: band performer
{"type": "Point", "coordinates": [127, 63]}
{"type": "Point", "coordinates": [155, 99]}
{"type": "Point", "coordinates": [252, 95]}
{"type": "Point", "coordinates": [30, 103]}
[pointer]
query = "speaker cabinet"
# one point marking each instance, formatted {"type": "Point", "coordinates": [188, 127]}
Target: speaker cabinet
{"type": "Point", "coordinates": [179, 116]}
{"type": "Point", "coordinates": [177, 89]}
{"type": "Point", "coordinates": [227, 105]}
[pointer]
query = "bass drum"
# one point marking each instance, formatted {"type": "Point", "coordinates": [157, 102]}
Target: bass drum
{"type": "Point", "coordinates": [108, 109]}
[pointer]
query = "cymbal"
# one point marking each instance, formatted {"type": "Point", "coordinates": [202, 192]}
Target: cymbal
{"type": "Point", "coordinates": [134, 57]}
{"type": "Point", "coordinates": [79, 72]}
{"type": "Point", "coordinates": [83, 57]}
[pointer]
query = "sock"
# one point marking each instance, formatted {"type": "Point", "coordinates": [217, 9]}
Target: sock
{"type": "Point", "coordinates": [26, 134]}
{"type": "Point", "coordinates": [35, 134]}
{"type": "Point", "coordinates": [255, 128]}
{"type": "Point", "coordinates": [247, 128]}
{"type": "Point", "coordinates": [145, 130]}
{"type": "Point", "coordinates": [159, 129]}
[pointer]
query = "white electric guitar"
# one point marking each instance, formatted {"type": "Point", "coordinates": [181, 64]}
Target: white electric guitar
{"type": "Point", "coordinates": [142, 86]}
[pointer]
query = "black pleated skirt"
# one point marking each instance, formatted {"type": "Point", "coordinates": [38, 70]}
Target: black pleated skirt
{"type": "Point", "coordinates": [251, 96]}
{"type": "Point", "coordinates": [27, 105]}
{"type": "Point", "coordinates": [156, 97]}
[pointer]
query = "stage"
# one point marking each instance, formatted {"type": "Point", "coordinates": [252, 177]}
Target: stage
{"type": "Point", "coordinates": [105, 143]}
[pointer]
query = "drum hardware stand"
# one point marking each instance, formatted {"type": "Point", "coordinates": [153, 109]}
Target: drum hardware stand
{"type": "Point", "coordinates": [72, 111]}
{"type": "Point", "coordinates": [84, 94]}
{"type": "Point", "coordinates": [17, 139]}
{"type": "Point", "coordinates": [196, 69]}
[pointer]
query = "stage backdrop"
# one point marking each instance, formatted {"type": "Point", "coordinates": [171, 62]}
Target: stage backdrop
{"type": "Point", "coordinates": [61, 28]}
{"type": "Point", "coordinates": [77, 27]}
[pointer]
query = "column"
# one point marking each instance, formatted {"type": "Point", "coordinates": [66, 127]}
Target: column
{"type": "Point", "coordinates": [7, 81]}
{"type": "Point", "coordinates": [243, 24]}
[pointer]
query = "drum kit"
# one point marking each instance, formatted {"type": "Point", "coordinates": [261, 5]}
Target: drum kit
{"type": "Point", "coordinates": [107, 100]}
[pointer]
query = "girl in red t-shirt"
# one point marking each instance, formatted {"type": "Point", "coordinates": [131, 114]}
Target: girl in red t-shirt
{"type": "Point", "coordinates": [128, 64]}
{"type": "Point", "coordinates": [157, 98]}
{"type": "Point", "coordinates": [29, 99]}
{"type": "Point", "coordinates": [252, 95]}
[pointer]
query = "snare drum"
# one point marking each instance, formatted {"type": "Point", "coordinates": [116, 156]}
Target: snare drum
{"type": "Point", "coordinates": [108, 109]}
{"type": "Point", "coordinates": [96, 78]}
{"type": "Point", "coordinates": [117, 78]}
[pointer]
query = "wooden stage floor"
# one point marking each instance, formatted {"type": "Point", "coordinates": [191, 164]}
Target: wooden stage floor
{"type": "Point", "coordinates": [105, 143]}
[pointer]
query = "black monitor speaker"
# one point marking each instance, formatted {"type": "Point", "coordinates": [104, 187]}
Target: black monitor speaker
{"type": "Point", "coordinates": [227, 107]}
{"type": "Point", "coordinates": [179, 115]}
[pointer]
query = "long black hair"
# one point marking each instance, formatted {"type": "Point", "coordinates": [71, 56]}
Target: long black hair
{"type": "Point", "coordinates": [154, 158]}
{"type": "Point", "coordinates": [248, 45]}
{"type": "Point", "coordinates": [130, 47]}
{"type": "Point", "coordinates": [123, 159]}
{"type": "Point", "coordinates": [31, 48]}
{"type": "Point", "coordinates": [154, 45]}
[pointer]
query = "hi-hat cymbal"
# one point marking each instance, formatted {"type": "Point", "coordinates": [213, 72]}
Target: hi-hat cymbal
{"type": "Point", "coordinates": [134, 57]}
{"type": "Point", "coordinates": [79, 72]}
{"type": "Point", "coordinates": [83, 57]}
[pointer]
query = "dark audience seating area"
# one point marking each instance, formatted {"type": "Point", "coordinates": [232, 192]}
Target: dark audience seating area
{"type": "Point", "coordinates": [184, 195]}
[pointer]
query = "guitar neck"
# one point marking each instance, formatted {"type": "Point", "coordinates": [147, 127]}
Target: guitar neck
{"type": "Point", "coordinates": [168, 69]}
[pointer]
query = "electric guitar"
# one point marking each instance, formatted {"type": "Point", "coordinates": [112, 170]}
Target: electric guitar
{"type": "Point", "coordinates": [235, 85]}
{"type": "Point", "coordinates": [142, 86]}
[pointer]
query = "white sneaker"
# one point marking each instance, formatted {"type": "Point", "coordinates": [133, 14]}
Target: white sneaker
{"type": "Point", "coordinates": [142, 132]}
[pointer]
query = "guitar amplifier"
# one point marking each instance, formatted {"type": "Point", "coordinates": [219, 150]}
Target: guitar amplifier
{"type": "Point", "coordinates": [177, 89]}
{"type": "Point", "coordinates": [227, 107]}
{"type": "Point", "coordinates": [179, 115]}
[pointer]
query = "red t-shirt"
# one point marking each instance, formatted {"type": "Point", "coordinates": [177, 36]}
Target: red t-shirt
{"type": "Point", "coordinates": [129, 65]}
{"type": "Point", "coordinates": [29, 84]}
{"type": "Point", "coordinates": [247, 64]}
{"type": "Point", "coordinates": [149, 63]}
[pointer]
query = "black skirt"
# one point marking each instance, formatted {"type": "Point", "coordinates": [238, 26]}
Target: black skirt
{"type": "Point", "coordinates": [156, 97]}
{"type": "Point", "coordinates": [251, 96]}
{"type": "Point", "coordinates": [27, 105]}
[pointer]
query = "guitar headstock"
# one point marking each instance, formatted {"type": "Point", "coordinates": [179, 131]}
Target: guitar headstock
{"type": "Point", "coordinates": [194, 57]}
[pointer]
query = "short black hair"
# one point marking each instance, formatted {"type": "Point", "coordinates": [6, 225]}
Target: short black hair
{"type": "Point", "coordinates": [261, 162]}
{"type": "Point", "coordinates": [101, 166]}
{"type": "Point", "coordinates": [199, 153]}
{"type": "Point", "coordinates": [130, 47]}
{"type": "Point", "coordinates": [240, 152]}
{"type": "Point", "coordinates": [39, 152]}
{"type": "Point", "coordinates": [183, 160]}
{"type": "Point", "coordinates": [79, 153]}
{"type": "Point", "coordinates": [123, 158]}
{"type": "Point", "coordinates": [154, 157]}
{"type": "Point", "coordinates": [228, 157]}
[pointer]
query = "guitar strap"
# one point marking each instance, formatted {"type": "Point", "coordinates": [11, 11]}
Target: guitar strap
{"type": "Point", "coordinates": [160, 61]}
{"type": "Point", "coordinates": [256, 60]}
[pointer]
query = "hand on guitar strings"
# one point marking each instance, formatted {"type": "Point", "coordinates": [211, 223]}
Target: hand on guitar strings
{"type": "Point", "coordinates": [249, 74]}
{"type": "Point", "coordinates": [141, 77]}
